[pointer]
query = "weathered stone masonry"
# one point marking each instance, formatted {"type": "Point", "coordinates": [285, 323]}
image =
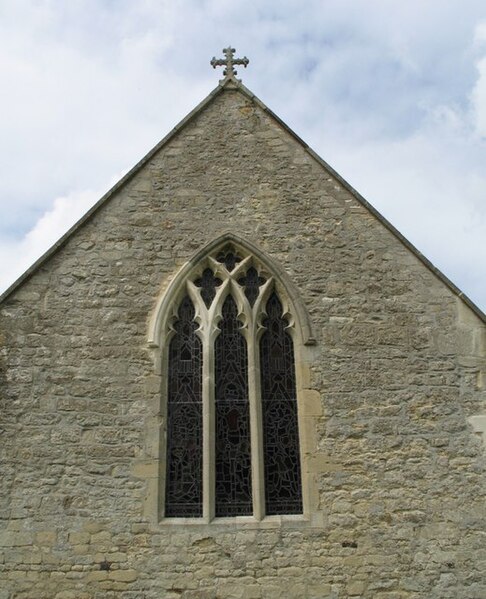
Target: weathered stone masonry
{"type": "Point", "coordinates": [391, 394]}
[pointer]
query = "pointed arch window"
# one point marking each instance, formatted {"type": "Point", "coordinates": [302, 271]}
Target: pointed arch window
{"type": "Point", "coordinates": [232, 435]}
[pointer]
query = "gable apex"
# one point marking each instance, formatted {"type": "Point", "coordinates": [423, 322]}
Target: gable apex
{"type": "Point", "coordinates": [233, 85]}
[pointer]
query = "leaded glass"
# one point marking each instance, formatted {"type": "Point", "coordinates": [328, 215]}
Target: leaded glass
{"type": "Point", "coordinates": [283, 487]}
{"type": "Point", "coordinates": [229, 258]}
{"type": "Point", "coordinates": [208, 283]}
{"type": "Point", "coordinates": [183, 497]}
{"type": "Point", "coordinates": [252, 283]}
{"type": "Point", "coordinates": [233, 451]}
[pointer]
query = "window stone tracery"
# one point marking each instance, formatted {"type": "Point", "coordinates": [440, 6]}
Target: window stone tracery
{"type": "Point", "coordinates": [245, 438]}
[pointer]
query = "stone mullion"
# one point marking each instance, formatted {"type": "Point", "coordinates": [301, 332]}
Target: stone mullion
{"type": "Point", "coordinates": [256, 429]}
{"type": "Point", "coordinates": [208, 331]}
{"type": "Point", "coordinates": [256, 407]}
{"type": "Point", "coordinates": [209, 428]}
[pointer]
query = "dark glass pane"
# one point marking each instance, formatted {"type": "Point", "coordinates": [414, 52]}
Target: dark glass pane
{"type": "Point", "coordinates": [233, 451]}
{"type": "Point", "coordinates": [183, 496]}
{"type": "Point", "coordinates": [283, 486]}
{"type": "Point", "coordinates": [208, 283]}
{"type": "Point", "coordinates": [229, 258]}
{"type": "Point", "coordinates": [251, 283]}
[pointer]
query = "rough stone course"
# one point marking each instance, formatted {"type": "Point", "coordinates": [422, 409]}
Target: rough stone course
{"type": "Point", "coordinates": [394, 468]}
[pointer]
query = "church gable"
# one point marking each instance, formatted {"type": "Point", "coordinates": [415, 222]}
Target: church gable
{"type": "Point", "coordinates": [387, 394]}
{"type": "Point", "coordinates": [233, 157]}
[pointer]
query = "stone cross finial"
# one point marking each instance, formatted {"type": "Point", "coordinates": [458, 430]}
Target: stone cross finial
{"type": "Point", "coordinates": [228, 62]}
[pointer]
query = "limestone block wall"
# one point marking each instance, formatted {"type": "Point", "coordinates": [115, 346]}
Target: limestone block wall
{"type": "Point", "coordinates": [391, 401]}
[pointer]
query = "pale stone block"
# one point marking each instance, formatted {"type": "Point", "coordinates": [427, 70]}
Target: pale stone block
{"type": "Point", "coordinates": [253, 591]}
{"type": "Point", "coordinates": [319, 591]}
{"type": "Point", "coordinates": [303, 374]}
{"type": "Point", "coordinates": [138, 528]}
{"type": "Point", "coordinates": [92, 527]}
{"type": "Point", "coordinates": [103, 536]}
{"type": "Point", "coordinates": [478, 424]}
{"type": "Point", "coordinates": [152, 384]}
{"type": "Point", "coordinates": [354, 561]}
{"type": "Point", "coordinates": [33, 557]}
{"type": "Point", "coordinates": [143, 184]}
{"type": "Point", "coordinates": [123, 575]}
{"type": "Point", "coordinates": [67, 595]}
{"type": "Point", "coordinates": [231, 590]}
{"type": "Point", "coordinates": [289, 571]}
{"type": "Point", "coordinates": [320, 463]}
{"type": "Point", "coordinates": [311, 403]}
{"type": "Point", "coordinates": [147, 469]}
{"type": "Point", "coordinates": [273, 592]}
{"type": "Point", "coordinates": [317, 519]}
{"type": "Point", "coordinates": [17, 525]}
{"type": "Point", "coordinates": [17, 574]}
{"type": "Point", "coordinates": [107, 585]}
{"type": "Point", "coordinates": [311, 491]}
{"type": "Point", "coordinates": [466, 316]}
{"type": "Point", "coordinates": [356, 587]}
{"type": "Point", "coordinates": [46, 538]}
{"type": "Point", "coordinates": [116, 557]}
{"type": "Point", "coordinates": [308, 431]}
{"type": "Point", "coordinates": [152, 439]}
{"type": "Point", "coordinates": [97, 575]}
{"type": "Point", "coordinates": [296, 589]}
{"type": "Point", "coordinates": [465, 340]}
{"type": "Point", "coordinates": [10, 538]}
{"type": "Point", "coordinates": [79, 538]}
{"type": "Point", "coordinates": [51, 559]}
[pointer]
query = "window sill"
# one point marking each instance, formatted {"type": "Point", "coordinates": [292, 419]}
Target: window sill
{"type": "Point", "coordinates": [248, 522]}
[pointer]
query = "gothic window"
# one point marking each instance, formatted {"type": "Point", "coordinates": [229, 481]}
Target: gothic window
{"type": "Point", "coordinates": [232, 437]}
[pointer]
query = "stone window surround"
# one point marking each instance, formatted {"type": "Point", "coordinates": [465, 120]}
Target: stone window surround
{"type": "Point", "coordinates": [159, 335]}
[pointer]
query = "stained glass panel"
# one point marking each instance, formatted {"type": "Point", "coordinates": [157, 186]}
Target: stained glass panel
{"type": "Point", "coordinates": [233, 451]}
{"type": "Point", "coordinates": [183, 497]}
{"type": "Point", "coordinates": [283, 487]}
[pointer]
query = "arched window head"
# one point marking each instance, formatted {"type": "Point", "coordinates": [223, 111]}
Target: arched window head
{"type": "Point", "coordinates": [231, 445]}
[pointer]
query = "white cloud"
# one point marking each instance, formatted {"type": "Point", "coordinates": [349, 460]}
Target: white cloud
{"type": "Point", "coordinates": [18, 254]}
{"type": "Point", "coordinates": [414, 184]}
{"type": "Point", "coordinates": [76, 106]}
{"type": "Point", "coordinates": [479, 92]}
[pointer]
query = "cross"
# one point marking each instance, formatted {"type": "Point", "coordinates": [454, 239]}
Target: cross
{"type": "Point", "coordinates": [228, 62]}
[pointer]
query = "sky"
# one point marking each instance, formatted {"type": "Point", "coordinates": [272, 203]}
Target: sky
{"type": "Point", "coordinates": [391, 94]}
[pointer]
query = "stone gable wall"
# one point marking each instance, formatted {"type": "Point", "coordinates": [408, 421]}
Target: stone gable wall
{"type": "Point", "coordinates": [394, 468]}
